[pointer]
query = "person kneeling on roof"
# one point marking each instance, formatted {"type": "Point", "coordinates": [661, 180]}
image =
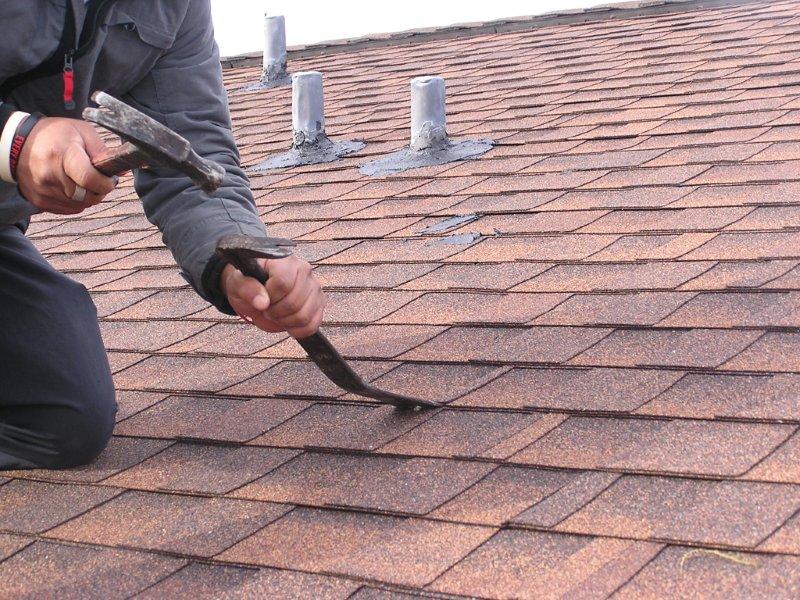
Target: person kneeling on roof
{"type": "Point", "coordinates": [57, 404]}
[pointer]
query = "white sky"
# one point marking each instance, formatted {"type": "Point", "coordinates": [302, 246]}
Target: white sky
{"type": "Point", "coordinates": [239, 23]}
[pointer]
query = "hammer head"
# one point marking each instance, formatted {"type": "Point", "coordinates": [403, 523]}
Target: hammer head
{"type": "Point", "coordinates": [162, 146]}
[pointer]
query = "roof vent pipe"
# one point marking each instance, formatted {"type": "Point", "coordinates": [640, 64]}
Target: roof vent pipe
{"type": "Point", "coordinates": [274, 65]}
{"type": "Point", "coordinates": [308, 112]}
{"type": "Point", "coordinates": [429, 145]}
{"type": "Point", "coordinates": [274, 48]}
{"type": "Point", "coordinates": [310, 145]}
{"type": "Point", "coordinates": [427, 113]}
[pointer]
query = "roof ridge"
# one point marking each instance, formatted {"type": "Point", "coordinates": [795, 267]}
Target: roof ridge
{"type": "Point", "coordinates": [601, 12]}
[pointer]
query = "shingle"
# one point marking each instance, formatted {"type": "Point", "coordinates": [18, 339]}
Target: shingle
{"type": "Point", "coordinates": [182, 524]}
{"type": "Point", "coordinates": [108, 303]}
{"type": "Point", "coordinates": [783, 465]}
{"type": "Point", "coordinates": [120, 454]}
{"type": "Point", "coordinates": [529, 564]}
{"type": "Point", "coordinates": [739, 275]}
{"type": "Point", "coordinates": [240, 339]}
{"type": "Point", "coordinates": [34, 507]}
{"type": "Point", "coordinates": [540, 248]}
{"type": "Point", "coordinates": [386, 275]}
{"type": "Point", "coordinates": [646, 308]}
{"type": "Point", "coordinates": [146, 336]}
{"type": "Point", "coordinates": [748, 246]}
{"type": "Point", "coordinates": [571, 497]}
{"type": "Point", "coordinates": [790, 280]}
{"type": "Point", "coordinates": [223, 419]}
{"type": "Point", "coordinates": [786, 539]}
{"type": "Point", "coordinates": [412, 551]}
{"type": "Point", "coordinates": [505, 203]}
{"type": "Point", "coordinates": [49, 570]}
{"type": "Point", "coordinates": [401, 485]}
{"type": "Point", "coordinates": [129, 403]}
{"type": "Point", "coordinates": [736, 195]}
{"type": "Point", "coordinates": [709, 396]}
{"type": "Point", "coordinates": [686, 219]}
{"type": "Point", "coordinates": [212, 582]}
{"type": "Point", "coordinates": [573, 389]}
{"type": "Point", "coordinates": [538, 182]}
{"type": "Point", "coordinates": [201, 468]}
{"type": "Point", "coordinates": [614, 277]}
{"type": "Point", "coordinates": [459, 433]}
{"type": "Point", "coordinates": [537, 344]}
{"type": "Point", "coordinates": [380, 251]}
{"type": "Point", "coordinates": [772, 352]}
{"type": "Point", "coordinates": [692, 348]}
{"type": "Point", "coordinates": [540, 222]}
{"type": "Point", "coordinates": [762, 309]}
{"type": "Point", "coordinates": [366, 306]}
{"type": "Point", "coordinates": [379, 341]}
{"type": "Point", "coordinates": [169, 304]}
{"type": "Point", "coordinates": [348, 229]}
{"type": "Point", "coordinates": [443, 308]}
{"type": "Point", "coordinates": [680, 572]}
{"type": "Point", "coordinates": [707, 512]}
{"type": "Point", "coordinates": [342, 426]}
{"type": "Point", "coordinates": [119, 361]}
{"type": "Point", "coordinates": [655, 247]}
{"type": "Point", "coordinates": [707, 448]}
{"type": "Point", "coordinates": [9, 544]}
{"type": "Point", "coordinates": [438, 382]}
{"type": "Point", "coordinates": [481, 276]}
{"type": "Point", "coordinates": [303, 378]}
{"type": "Point", "coordinates": [501, 495]}
{"type": "Point", "coordinates": [640, 197]}
{"type": "Point", "coordinates": [175, 373]}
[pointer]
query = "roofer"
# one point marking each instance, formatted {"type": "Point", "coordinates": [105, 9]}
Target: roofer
{"type": "Point", "coordinates": [57, 402]}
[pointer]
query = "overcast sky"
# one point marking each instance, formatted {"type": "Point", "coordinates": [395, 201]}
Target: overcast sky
{"type": "Point", "coordinates": [239, 23]}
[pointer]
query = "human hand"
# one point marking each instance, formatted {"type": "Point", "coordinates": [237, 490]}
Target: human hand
{"type": "Point", "coordinates": [291, 301]}
{"type": "Point", "coordinates": [56, 158]}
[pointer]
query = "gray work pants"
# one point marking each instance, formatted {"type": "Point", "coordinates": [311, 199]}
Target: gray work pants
{"type": "Point", "coordinates": [57, 402]}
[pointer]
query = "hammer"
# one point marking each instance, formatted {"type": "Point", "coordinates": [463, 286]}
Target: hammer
{"type": "Point", "coordinates": [148, 143]}
{"type": "Point", "coordinates": [242, 251]}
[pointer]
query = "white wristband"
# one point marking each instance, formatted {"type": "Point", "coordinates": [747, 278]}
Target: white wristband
{"type": "Point", "coordinates": [6, 140]}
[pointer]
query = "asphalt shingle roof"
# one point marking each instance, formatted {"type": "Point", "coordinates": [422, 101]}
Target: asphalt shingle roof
{"type": "Point", "coordinates": [617, 345]}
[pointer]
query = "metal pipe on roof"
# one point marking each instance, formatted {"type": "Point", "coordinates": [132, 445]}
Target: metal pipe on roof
{"type": "Point", "coordinates": [308, 108]}
{"type": "Point", "coordinates": [427, 113]}
{"type": "Point", "coordinates": [274, 64]}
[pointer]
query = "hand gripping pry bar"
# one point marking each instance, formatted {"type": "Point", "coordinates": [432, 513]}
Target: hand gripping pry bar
{"type": "Point", "coordinates": [242, 252]}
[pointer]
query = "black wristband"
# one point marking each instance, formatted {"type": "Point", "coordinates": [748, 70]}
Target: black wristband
{"type": "Point", "coordinates": [21, 135]}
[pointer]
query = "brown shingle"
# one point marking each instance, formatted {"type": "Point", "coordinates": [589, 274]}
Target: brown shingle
{"type": "Point", "coordinates": [693, 348]}
{"type": "Point", "coordinates": [201, 468]}
{"type": "Point", "coordinates": [614, 277]}
{"type": "Point", "coordinates": [175, 373]}
{"type": "Point", "coordinates": [501, 495]}
{"type": "Point", "coordinates": [402, 485]}
{"type": "Point", "coordinates": [224, 419]}
{"type": "Point", "coordinates": [712, 512]}
{"type": "Point", "coordinates": [541, 248]}
{"type": "Point", "coordinates": [342, 426]}
{"type": "Point", "coordinates": [34, 507]}
{"type": "Point", "coordinates": [182, 524]}
{"type": "Point", "coordinates": [364, 307]}
{"type": "Point", "coordinates": [49, 570]}
{"type": "Point", "coordinates": [763, 309]}
{"type": "Point", "coordinates": [706, 448]}
{"type": "Point", "coordinates": [573, 389]}
{"type": "Point", "coordinates": [708, 396]}
{"type": "Point", "coordinates": [459, 433]}
{"type": "Point", "coordinates": [443, 308]}
{"type": "Point", "coordinates": [9, 544]}
{"type": "Point", "coordinates": [645, 308]}
{"type": "Point", "coordinates": [144, 336]}
{"type": "Point", "coordinates": [405, 551]}
{"type": "Point", "coordinates": [384, 275]}
{"type": "Point", "coordinates": [680, 572]}
{"type": "Point", "coordinates": [772, 352]}
{"type": "Point", "coordinates": [655, 247]}
{"type": "Point", "coordinates": [739, 275]}
{"type": "Point", "coordinates": [748, 246]}
{"type": "Point", "coordinates": [210, 582]}
{"type": "Point", "coordinates": [537, 344]}
{"type": "Point", "coordinates": [481, 276]}
{"type": "Point", "coordinates": [529, 564]}
{"type": "Point", "coordinates": [783, 465]}
{"type": "Point", "coordinates": [379, 341]}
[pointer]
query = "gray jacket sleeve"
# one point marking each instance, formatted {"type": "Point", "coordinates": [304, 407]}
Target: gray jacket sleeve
{"type": "Point", "coordinates": [184, 91]}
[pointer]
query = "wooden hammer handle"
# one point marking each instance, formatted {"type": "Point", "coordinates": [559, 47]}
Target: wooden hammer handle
{"type": "Point", "coordinates": [121, 159]}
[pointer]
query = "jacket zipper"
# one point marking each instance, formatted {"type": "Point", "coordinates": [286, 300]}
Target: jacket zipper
{"type": "Point", "coordinates": [78, 45]}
